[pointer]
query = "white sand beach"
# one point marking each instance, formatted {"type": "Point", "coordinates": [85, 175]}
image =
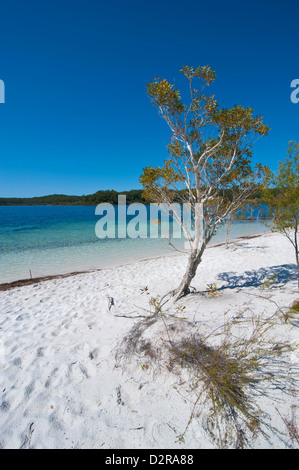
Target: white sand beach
{"type": "Point", "coordinates": [61, 385]}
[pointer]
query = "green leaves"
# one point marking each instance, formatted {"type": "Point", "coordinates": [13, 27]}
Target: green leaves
{"type": "Point", "coordinates": [210, 151]}
{"type": "Point", "coordinates": [163, 93]}
{"type": "Point", "coordinates": [158, 182]}
{"type": "Point", "coordinates": [205, 73]}
{"type": "Point", "coordinates": [284, 201]}
{"type": "Point", "coordinates": [286, 198]}
{"type": "Point", "coordinates": [240, 120]}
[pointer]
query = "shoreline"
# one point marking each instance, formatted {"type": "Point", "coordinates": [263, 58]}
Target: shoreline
{"type": "Point", "coordinates": [28, 281]}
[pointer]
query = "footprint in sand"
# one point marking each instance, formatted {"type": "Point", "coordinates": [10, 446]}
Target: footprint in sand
{"type": "Point", "coordinates": [4, 406]}
{"type": "Point", "coordinates": [28, 390]}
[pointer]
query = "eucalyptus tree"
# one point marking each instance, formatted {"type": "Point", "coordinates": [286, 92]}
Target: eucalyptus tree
{"type": "Point", "coordinates": [209, 163]}
{"type": "Point", "coordinates": [283, 200]}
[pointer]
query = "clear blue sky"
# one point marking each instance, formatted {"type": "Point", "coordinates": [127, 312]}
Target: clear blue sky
{"type": "Point", "coordinates": [77, 118]}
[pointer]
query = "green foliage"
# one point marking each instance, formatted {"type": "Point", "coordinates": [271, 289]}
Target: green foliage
{"type": "Point", "coordinates": [103, 196]}
{"type": "Point", "coordinates": [293, 312]}
{"type": "Point", "coordinates": [111, 197]}
{"type": "Point", "coordinates": [54, 199]}
{"type": "Point", "coordinates": [284, 201]}
{"type": "Point", "coordinates": [155, 304]}
{"type": "Point", "coordinates": [212, 290]}
{"type": "Point", "coordinates": [222, 372]}
{"type": "Point", "coordinates": [295, 307]}
{"type": "Point", "coordinates": [268, 282]}
{"type": "Point", "coordinates": [226, 377]}
{"type": "Point", "coordinates": [210, 149]}
{"type": "Point", "coordinates": [209, 162]}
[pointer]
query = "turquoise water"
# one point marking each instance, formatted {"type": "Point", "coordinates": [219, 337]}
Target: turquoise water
{"type": "Point", "coordinates": [47, 240]}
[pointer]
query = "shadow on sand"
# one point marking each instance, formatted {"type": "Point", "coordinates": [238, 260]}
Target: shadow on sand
{"type": "Point", "coordinates": [280, 274]}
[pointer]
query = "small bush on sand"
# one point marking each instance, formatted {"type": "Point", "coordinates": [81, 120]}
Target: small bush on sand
{"type": "Point", "coordinates": [293, 312]}
{"type": "Point", "coordinates": [227, 369]}
{"type": "Point", "coordinates": [227, 377]}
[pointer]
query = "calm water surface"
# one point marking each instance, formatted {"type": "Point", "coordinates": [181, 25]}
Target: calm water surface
{"type": "Point", "coordinates": [50, 240]}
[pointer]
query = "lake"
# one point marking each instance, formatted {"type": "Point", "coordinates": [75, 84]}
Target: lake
{"type": "Point", "coordinates": [46, 240]}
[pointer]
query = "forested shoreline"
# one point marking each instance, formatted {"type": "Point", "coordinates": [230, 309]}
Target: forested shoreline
{"type": "Point", "coordinates": [107, 196]}
{"type": "Point", "coordinates": [102, 196]}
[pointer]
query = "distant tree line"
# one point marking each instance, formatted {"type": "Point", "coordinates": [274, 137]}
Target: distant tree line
{"type": "Point", "coordinates": [111, 197]}
{"type": "Point", "coordinates": [107, 196]}
{"type": "Point", "coordinates": [53, 199]}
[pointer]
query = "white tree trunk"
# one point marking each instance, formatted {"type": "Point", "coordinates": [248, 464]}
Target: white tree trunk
{"type": "Point", "coordinates": [193, 262]}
